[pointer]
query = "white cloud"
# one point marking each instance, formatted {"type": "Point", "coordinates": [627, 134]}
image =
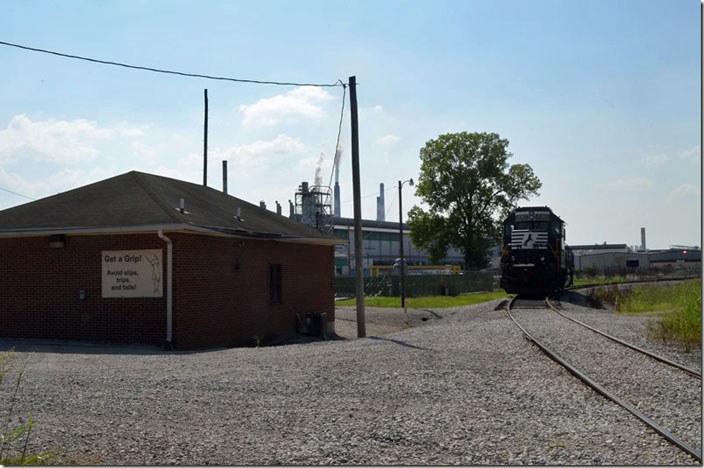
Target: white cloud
{"type": "Point", "coordinates": [132, 132]}
{"type": "Point", "coordinates": [683, 191]}
{"type": "Point", "coordinates": [389, 139]}
{"type": "Point", "coordinates": [378, 110]}
{"type": "Point", "coordinates": [694, 154]}
{"type": "Point", "coordinates": [655, 160]}
{"type": "Point", "coordinates": [57, 141]}
{"type": "Point", "coordinates": [58, 181]}
{"type": "Point", "coordinates": [260, 154]}
{"type": "Point", "coordinates": [300, 103]}
{"type": "Point", "coordinates": [634, 184]}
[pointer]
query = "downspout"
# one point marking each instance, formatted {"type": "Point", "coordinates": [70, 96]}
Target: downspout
{"type": "Point", "coordinates": [169, 287]}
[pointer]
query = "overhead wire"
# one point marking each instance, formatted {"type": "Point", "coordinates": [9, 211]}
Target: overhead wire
{"type": "Point", "coordinates": [15, 193]}
{"type": "Point", "coordinates": [171, 72]}
{"type": "Point", "coordinates": [335, 160]}
{"type": "Point", "coordinates": [192, 75]}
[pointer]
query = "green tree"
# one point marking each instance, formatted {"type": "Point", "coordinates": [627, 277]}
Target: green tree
{"type": "Point", "coordinates": [469, 186]}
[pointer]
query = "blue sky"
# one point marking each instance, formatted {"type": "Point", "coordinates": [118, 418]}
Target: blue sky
{"type": "Point", "coordinates": [601, 98]}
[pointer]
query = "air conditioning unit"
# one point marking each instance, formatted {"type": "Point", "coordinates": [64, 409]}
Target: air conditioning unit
{"type": "Point", "coordinates": [316, 324]}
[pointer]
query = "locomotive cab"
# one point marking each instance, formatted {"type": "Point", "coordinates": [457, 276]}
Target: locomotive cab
{"type": "Point", "coordinates": [534, 257]}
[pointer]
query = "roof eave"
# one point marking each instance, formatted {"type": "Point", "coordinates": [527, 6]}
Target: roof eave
{"type": "Point", "coordinates": [172, 227]}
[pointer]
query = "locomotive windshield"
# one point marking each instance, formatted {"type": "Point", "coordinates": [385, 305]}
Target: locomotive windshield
{"type": "Point", "coordinates": [532, 225]}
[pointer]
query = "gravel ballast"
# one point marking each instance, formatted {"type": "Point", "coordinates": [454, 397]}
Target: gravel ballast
{"type": "Point", "coordinates": [464, 388]}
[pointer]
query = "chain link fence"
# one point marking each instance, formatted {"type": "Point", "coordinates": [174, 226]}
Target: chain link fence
{"type": "Point", "coordinates": [419, 285]}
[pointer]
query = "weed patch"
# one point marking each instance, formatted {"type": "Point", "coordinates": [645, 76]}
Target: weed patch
{"type": "Point", "coordinates": [14, 437]}
{"type": "Point", "coordinates": [679, 307]}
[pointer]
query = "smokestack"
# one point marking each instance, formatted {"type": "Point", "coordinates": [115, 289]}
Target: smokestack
{"type": "Point", "coordinates": [262, 204]}
{"type": "Point", "coordinates": [380, 214]}
{"type": "Point", "coordinates": [290, 209]}
{"type": "Point", "coordinates": [336, 196]}
{"type": "Point", "coordinates": [224, 176]}
{"type": "Point", "coordinates": [642, 238]}
{"type": "Point", "coordinates": [278, 208]}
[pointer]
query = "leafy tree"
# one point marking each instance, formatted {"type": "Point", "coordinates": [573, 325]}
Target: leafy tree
{"type": "Point", "coordinates": [467, 183]}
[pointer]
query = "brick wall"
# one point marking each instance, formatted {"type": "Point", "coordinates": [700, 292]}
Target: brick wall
{"type": "Point", "coordinates": [220, 290]}
{"type": "Point", "coordinates": [39, 292]}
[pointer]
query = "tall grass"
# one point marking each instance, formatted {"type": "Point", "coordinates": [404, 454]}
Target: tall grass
{"type": "Point", "coordinates": [680, 306]}
{"type": "Point", "coordinates": [616, 279]}
{"type": "Point", "coordinates": [14, 440]}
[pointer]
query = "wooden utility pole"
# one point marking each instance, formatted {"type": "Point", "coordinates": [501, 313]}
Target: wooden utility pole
{"type": "Point", "coordinates": [358, 261]}
{"type": "Point", "coordinates": [205, 141]}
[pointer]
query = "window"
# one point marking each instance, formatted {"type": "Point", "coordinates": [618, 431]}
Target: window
{"type": "Point", "coordinates": [275, 284]}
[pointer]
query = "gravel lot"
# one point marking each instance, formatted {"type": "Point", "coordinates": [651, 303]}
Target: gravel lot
{"type": "Point", "coordinates": [464, 388]}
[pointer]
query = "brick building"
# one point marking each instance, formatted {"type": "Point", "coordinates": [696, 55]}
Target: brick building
{"type": "Point", "coordinates": [140, 258]}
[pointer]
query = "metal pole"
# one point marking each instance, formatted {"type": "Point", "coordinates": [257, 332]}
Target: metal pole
{"type": "Point", "coordinates": [400, 239]}
{"type": "Point", "coordinates": [358, 260]}
{"type": "Point", "coordinates": [224, 176]}
{"type": "Point", "coordinates": [205, 140]}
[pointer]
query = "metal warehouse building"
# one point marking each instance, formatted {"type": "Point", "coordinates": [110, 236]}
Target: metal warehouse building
{"type": "Point", "coordinates": [140, 258]}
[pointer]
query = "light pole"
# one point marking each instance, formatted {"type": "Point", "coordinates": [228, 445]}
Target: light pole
{"type": "Point", "coordinates": [400, 239]}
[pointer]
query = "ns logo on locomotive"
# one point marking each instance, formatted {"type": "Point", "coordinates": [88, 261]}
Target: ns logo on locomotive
{"type": "Point", "coordinates": [535, 259]}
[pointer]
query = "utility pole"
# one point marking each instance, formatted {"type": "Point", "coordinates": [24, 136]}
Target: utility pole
{"type": "Point", "coordinates": [400, 240]}
{"type": "Point", "coordinates": [358, 261]}
{"type": "Point", "coordinates": [205, 141]}
{"type": "Point", "coordinates": [402, 266]}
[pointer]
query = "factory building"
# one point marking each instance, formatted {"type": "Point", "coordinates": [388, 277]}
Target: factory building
{"type": "Point", "coordinates": [140, 258]}
{"type": "Point", "coordinates": [603, 258]}
{"type": "Point", "coordinates": [380, 238]}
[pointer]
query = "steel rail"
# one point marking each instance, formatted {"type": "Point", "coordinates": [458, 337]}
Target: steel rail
{"type": "Point", "coordinates": [687, 370]}
{"type": "Point", "coordinates": [604, 392]}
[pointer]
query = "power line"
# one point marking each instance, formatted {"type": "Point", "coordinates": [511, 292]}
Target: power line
{"type": "Point", "coordinates": [15, 193]}
{"type": "Point", "coordinates": [171, 72]}
{"type": "Point", "coordinates": [335, 161]}
{"type": "Point", "coordinates": [371, 194]}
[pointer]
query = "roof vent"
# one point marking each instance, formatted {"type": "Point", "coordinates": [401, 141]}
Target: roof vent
{"type": "Point", "coordinates": [182, 206]}
{"type": "Point", "coordinates": [238, 216]}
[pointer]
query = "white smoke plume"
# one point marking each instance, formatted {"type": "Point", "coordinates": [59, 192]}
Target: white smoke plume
{"type": "Point", "coordinates": [318, 178]}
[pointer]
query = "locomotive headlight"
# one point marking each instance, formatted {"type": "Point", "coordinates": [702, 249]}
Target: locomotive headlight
{"type": "Point", "coordinates": [542, 259]}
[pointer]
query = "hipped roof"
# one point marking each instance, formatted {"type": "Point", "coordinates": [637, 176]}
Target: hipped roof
{"type": "Point", "coordinates": [137, 200]}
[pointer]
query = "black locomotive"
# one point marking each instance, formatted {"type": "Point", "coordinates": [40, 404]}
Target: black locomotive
{"type": "Point", "coordinates": [535, 259]}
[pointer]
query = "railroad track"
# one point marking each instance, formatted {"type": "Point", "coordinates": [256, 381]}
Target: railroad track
{"type": "Point", "coordinates": [596, 386]}
{"type": "Point", "coordinates": [686, 370]}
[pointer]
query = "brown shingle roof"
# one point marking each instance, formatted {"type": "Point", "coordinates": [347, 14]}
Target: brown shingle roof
{"type": "Point", "coordinates": [138, 199]}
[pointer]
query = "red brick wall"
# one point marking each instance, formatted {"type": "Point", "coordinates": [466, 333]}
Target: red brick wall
{"type": "Point", "coordinates": [217, 302]}
{"type": "Point", "coordinates": [214, 302]}
{"type": "Point", "coordinates": [39, 292]}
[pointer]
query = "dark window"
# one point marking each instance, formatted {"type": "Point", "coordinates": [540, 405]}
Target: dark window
{"type": "Point", "coordinates": [275, 284]}
{"type": "Point", "coordinates": [632, 263]}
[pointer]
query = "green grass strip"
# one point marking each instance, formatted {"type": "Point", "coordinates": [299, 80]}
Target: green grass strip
{"type": "Point", "coordinates": [428, 302]}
